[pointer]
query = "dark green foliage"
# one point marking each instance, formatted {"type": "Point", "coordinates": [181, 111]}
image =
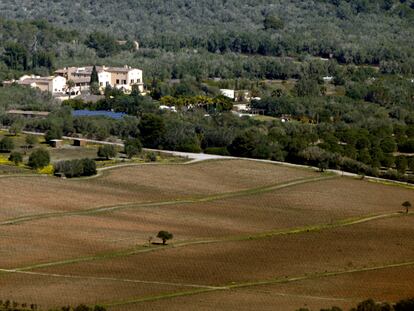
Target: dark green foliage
{"type": "Point", "coordinates": [371, 305]}
{"type": "Point", "coordinates": [217, 150]}
{"type": "Point", "coordinates": [151, 157]}
{"type": "Point", "coordinates": [254, 143]}
{"type": "Point", "coordinates": [76, 168]}
{"type": "Point", "coordinates": [307, 87]}
{"type": "Point", "coordinates": [55, 132]}
{"type": "Point", "coordinates": [94, 83]}
{"type": "Point", "coordinates": [16, 56]}
{"type": "Point", "coordinates": [39, 158]}
{"type": "Point", "coordinates": [107, 151]}
{"type": "Point", "coordinates": [104, 44]}
{"type": "Point", "coordinates": [16, 158]}
{"type": "Point", "coordinates": [401, 164]}
{"type": "Point", "coordinates": [94, 75]}
{"type": "Point", "coordinates": [320, 28]}
{"type": "Point", "coordinates": [16, 127]}
{"type": "Point", "coordinates": [6, 144]}
{"type": "Point", "coordinates": [89, 167]}
{"type": "Point", "coordinates": [132, 147]}
{"type": "Point", "coordinates": [8, 305]}
{"type": "Point", "coordinates": [31, 140]}
{"type": "Point", "coordinates": [407, 146]}
{"type": "Point", "coordinates": [152, 129]}
{"type": "Point", "coordinates": [19, 97]}
{"type": "Point", "coordinates": [405, 305]}
{"type": "Point", "coordinates": [273, 22]}
{"type": "Point", "coordinates": [165, 236]}
{"type": "Point", "coordinates": [333, 309]}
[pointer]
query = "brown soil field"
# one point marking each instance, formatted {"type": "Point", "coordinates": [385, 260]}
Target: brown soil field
{"type": "Point", "coordinates": [225, 255]}
{"type": "Point", "coordinates": [359, 246]}
{"type": "Point", "coordinates": [343, 291]}
{"type": "Point", "coordinates": [346, 196]}
{"type": "Point", "coordinates": [50, 292]}
{"type": "Point", "coordinates": [70, 237]}
{"type": "Point", "coordinates": [138, 184]}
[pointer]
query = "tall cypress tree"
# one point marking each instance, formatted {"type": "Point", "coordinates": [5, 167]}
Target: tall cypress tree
{"type": "Point", "coordinates": [94, 85]}
{"type": "Point", "coordinates": [94, 76]}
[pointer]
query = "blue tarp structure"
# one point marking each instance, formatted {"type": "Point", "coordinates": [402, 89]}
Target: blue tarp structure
{"type": "Point", "coordinates": [98, 113]}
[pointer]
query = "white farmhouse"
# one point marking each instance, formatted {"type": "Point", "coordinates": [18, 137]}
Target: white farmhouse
{"type": "Point", "coordinates": [52, 84]}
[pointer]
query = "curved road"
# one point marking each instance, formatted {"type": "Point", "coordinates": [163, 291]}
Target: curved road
{"type": "Point", "coordinates": [198, 157]}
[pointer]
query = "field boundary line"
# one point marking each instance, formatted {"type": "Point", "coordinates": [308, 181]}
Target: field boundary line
{"type": "Point", "coordinates": [279, 280]}
{"type": "Point", "coordinates": [112, 279]}
{"type": "Point", "coordinates": [132, 205]}
{"type": "Point", "coordinates": [238, 238]}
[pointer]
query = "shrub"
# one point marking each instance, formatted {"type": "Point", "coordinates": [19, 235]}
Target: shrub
{"type": "Point", "coordinates": [89, 167]}
{"type": "Point", "coordinates": [133, 147]}
{"type": "Point", "coordinates": [151, 157]}
{"type": "Point", "coordinates": [39, 159]}
{"type": "Point", "coordinates": [31, 140]}
{"type": "Point", "coordinates": [6, 144]}
{"type": "Point", "coordinates": [47, 170]}
{"type": "Point", "coordinates": [54, 132]}
{"type": "Point", "coordinates": [107, 151]}
{"type": "Point", "coordinates": [16, 157]}
{"type": "Point", "coordinates": [76, 168]}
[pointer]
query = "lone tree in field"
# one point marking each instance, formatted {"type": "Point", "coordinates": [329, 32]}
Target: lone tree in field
{"type": "Point", "coordinates": [407, 205]}
{"type": "Point", "coordinates": [165, 236]}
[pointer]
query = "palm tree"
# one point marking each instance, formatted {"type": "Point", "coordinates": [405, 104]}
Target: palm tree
{"type": "Point", "coordinates": [406, 205]}
{"type": "Point", "coordinates": [70, 84]}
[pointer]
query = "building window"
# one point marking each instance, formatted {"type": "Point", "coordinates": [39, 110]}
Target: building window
{"type": "Point", "coordinates": [125, 82]}
{"type": "Point", "coordinates": [117, 81]}
{"type": "Point", "coordinates": [101, 83]}
{"type": "Point", "coordinates": [132, 81]}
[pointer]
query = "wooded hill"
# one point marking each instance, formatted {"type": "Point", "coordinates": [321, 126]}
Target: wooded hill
{"type": "Point", "coordinates": [360, 31]}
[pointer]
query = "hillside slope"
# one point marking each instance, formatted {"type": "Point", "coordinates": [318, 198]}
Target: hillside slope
{"type": "Point", "coordinates": [360, 31]}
